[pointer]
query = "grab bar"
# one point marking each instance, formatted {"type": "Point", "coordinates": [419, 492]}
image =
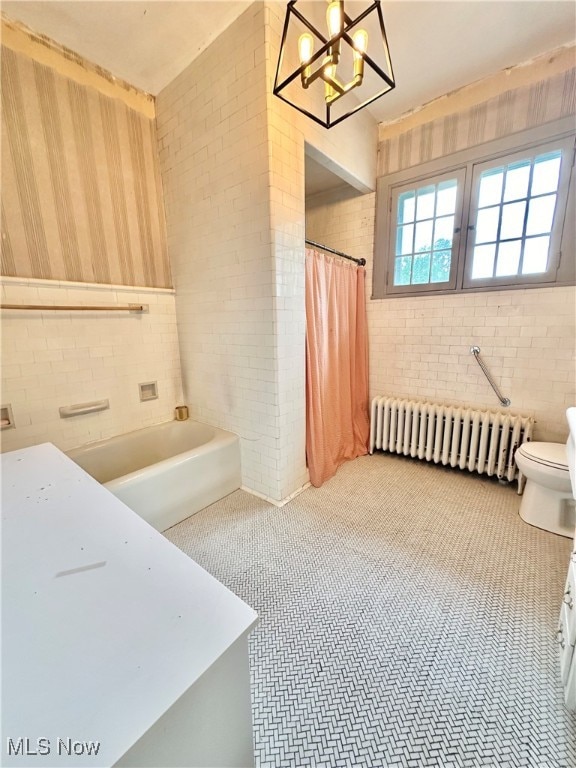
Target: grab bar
{"type": "Point", "coordinates": [476, 352]}
{"type": "Point", "coordinates": [81, 408]}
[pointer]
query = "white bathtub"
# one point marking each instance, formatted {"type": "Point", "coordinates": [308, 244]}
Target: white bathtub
{"type": "Point", "coordinates": [167, 472]}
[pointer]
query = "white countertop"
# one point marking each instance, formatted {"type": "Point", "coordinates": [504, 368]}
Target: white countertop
{"type": "Point", "coordinates": [105, 622]}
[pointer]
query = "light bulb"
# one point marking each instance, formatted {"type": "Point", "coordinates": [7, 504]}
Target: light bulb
{"type": "Point", "coordinates": [334, 18]}
{"type": "Point", "coordinates": [305, 47]}
{"type": "Point", "coordinates": [360, 38]}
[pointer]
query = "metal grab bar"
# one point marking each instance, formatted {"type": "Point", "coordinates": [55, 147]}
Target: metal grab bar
{"type": "Point", "coordinates": [476, 352]}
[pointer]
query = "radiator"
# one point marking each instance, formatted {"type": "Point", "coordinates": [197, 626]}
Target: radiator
{"type": "Point", "coordinates": [480, 441]}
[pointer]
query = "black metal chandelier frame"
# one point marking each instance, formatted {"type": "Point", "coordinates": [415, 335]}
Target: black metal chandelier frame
{"type": "Point", "coordinates": [328, 43]}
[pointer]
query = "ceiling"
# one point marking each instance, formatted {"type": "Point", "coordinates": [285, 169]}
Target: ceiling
{"type": "Point", "coordinates": [318, 178]}
{"type": "Point", "coordinates": [435, 47]}
{"type": "Point", "coordinates": [145, 43]}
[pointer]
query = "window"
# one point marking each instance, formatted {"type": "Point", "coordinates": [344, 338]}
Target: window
{"type": "Point", "coordinates": [427, 218]}
{"type": "Point", "coordinates": [489, 222]}
{"type": "Point", "coordinates": [513, 210]}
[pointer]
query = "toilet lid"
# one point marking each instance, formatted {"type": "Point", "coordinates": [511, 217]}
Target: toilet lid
{"type": "Point", "coordinates": [551, 454]}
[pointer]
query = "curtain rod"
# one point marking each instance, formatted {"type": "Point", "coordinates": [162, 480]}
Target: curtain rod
{"type": "Point", "coordinates": [360, 262]}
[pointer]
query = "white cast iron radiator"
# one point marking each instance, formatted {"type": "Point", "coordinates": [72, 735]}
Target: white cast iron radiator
{"type": "Point", "coordinates": [480, 441]}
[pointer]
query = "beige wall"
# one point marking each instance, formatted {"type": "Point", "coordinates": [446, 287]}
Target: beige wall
{"type": "Point", "coordinates": [419, 347]}
{"type": "Point", "coordinates": [82, 224]}
{"type": "Point", "coordinates": [81, 192]}
{"type": "Point", "coordinates": [536, 103]}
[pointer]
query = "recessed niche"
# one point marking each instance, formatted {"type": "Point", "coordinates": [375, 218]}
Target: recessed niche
{"type": "Point", "coordinates": [148, 390]}
{"type": "Point", "coordinates": [6, 417]}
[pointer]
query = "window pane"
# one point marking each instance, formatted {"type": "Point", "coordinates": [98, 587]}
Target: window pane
{"type": "Point", "coordinates": [441, 261]}
{"type": "Point", "coordinates": [446, 197]}
{"type": "Point", "coordinates": [425, 205]}
{"type": "Point", "coordinates": [491, 187]}
{"type": "Point", "coordinates": [513, 233]}
{"type": "Point", "coordinates": [541, 215]}
{"type": "Point", "coordinates": [512, 220]}
{"type": "Point", "coordinates": [535, 255]}
{"type": "Point", "coordinates": [404, 239]}
{"type": "Point", "coordinates": [423, 240]}
{"type": "Point", "coordinates": [402, 269]}
{"type": "Point", "coordinates": [483, 262]}
{"type": "Point", "coordinates": [487, 224]}
{"type": "Point", "coordinates": [508, 258]}
{"type": "Point", "coordinates": [546, 170]}
{"type": "Point", "coordinates": [517, 178]}
{"type": "Point", "coordinates": [421, 273]}
{"type": "Point", "coordinates": [406, 206]}
{"type": "Point", "coordinates": [424, 224]}
{"type": "Point", "coordinates": [443, 232]}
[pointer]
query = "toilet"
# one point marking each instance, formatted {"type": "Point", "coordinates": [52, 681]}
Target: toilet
{"type": "Point", "coordinates": [547, 502]}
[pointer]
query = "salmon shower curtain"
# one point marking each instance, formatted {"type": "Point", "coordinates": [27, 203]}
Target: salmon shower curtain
{"type": "Point", "coordinates": [337, 426]}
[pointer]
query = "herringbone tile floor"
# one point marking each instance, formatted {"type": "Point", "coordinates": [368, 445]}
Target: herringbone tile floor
{"type": "Point", "coordinates": [407, 618]}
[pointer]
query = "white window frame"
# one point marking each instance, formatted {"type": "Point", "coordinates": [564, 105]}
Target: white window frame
{"type": "Point", "coordinates": [562, 261]}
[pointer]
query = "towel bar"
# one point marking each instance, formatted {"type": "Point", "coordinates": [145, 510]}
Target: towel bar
{"type": "Point", "coordinates": [79, 307]}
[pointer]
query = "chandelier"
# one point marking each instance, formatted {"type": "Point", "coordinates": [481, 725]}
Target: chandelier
{"type": "Point", "coordinates": [331, 72]}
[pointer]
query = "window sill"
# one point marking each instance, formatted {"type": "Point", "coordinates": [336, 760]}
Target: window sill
{"type": "Point", "coordinates": [482, 289]}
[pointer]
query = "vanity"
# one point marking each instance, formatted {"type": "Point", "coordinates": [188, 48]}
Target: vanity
{"type": "Point", "coordinates": [567, 636]}
{"type": "Point", "coordinates": [118, 649]}
{"type": "Point", "coordinates": [567, 623]}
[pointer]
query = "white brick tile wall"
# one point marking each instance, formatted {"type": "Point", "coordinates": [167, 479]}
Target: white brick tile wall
{"type": "Point", "coordinates": [419, 347]}
{"type": "Point", "coordinates": [53, 359]}
{"type": "Point", "coordinates": [350, 148]}
{"type": "Point", "coordinates": [232, 163]}
{"type": "Point", "coordinates": [214, 161]}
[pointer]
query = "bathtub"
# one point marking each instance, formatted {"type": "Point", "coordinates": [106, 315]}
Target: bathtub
{"type": "Point", "coordinates": [167, 472]}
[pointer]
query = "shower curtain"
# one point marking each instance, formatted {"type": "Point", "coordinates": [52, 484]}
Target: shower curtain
{"type": "Point", "coordinates": [337, 426]}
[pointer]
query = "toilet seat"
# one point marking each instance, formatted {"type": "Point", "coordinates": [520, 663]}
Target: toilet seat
{"type": "Point", "coordinates": [548, 454]}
